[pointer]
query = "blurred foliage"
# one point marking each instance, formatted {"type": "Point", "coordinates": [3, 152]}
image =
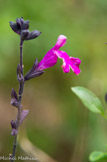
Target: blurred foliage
{"type": "Point", "coordinates": [58, 123]}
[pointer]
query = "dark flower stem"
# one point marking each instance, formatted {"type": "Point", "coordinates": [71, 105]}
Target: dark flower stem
{"type": "Point", "coordinates": [21, 87]}
{"type": "Point", "coordinates": [21, 55]}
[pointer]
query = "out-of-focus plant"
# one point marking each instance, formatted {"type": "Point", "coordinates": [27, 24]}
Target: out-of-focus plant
{"type": "Point", "coordinates": [93, 103]}
{"type": "Point", "coordinates": [21, 27]}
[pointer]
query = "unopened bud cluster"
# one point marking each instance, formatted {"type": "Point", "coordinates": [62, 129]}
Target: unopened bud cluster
{"type": "Point", "coordinates": [21, 27]}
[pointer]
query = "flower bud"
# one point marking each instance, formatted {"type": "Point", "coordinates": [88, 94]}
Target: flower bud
{"type": "Point", "coordinates": [20, 25]}
{"type": "Point", "coordinates": [14, 94]}
{"type": "Point", "coordinates": [32, 73]}
{"type": "Point", "coordinates": [13, 124]}
{"type": "Point", "coordinates": [25, 25]}
{"type": "Point", "coordinates": [14, 27]}
{"type": "Point", "coordinates": [20, 77]}
{"type": "Point", "coordinates": [14, 128]}
{"type": "Point", "coordinates": [33, 34]}
{"type": "Point", "coordinates": [14, 99]}
{"type": "Point", "coordinates": [24, 34]}
{"type": "Point", "coordinates": [14, 132]}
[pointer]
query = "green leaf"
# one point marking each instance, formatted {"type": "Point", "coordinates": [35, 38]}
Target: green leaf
{"type": "Point", "coordinates": [97, 156]}
{"type": "Point", "coordinates": [89, 99]}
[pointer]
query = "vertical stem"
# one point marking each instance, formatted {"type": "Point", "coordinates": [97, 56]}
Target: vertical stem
{"type": "Point", "coordinates": [21, 87]}
{"type": "Point", "coordinates": [14, 148]}
{"type": "Point", "coordinates": [21, 55]}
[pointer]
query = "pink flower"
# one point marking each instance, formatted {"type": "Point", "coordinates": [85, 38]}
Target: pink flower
{"type": "Point", "coordinates": [50, 59]}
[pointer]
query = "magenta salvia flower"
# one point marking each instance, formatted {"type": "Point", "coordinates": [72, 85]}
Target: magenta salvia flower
{"type": "Point", "coordinates": [50, 59]}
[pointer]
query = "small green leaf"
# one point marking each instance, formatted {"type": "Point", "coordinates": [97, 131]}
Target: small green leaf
{"type": "Point", "coordinates": [89, 99]}
{"type": "Point", "coordinates": [97, 156]}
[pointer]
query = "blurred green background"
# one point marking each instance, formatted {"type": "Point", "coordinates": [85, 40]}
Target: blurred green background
{"type": "Point", "coordinates": [58, 123]}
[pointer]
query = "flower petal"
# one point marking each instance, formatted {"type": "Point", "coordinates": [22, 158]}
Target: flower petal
{"type": "Point", "coordinates": [69, 62]}
{"type": "Point", "coordinates": [74, 63]}
{"type": "Point", "coordinates": [64, 56]}
{"type": "Point", "coordinates": [50, 59]}
{"type": "Point", "coordinates": [60, 42]}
